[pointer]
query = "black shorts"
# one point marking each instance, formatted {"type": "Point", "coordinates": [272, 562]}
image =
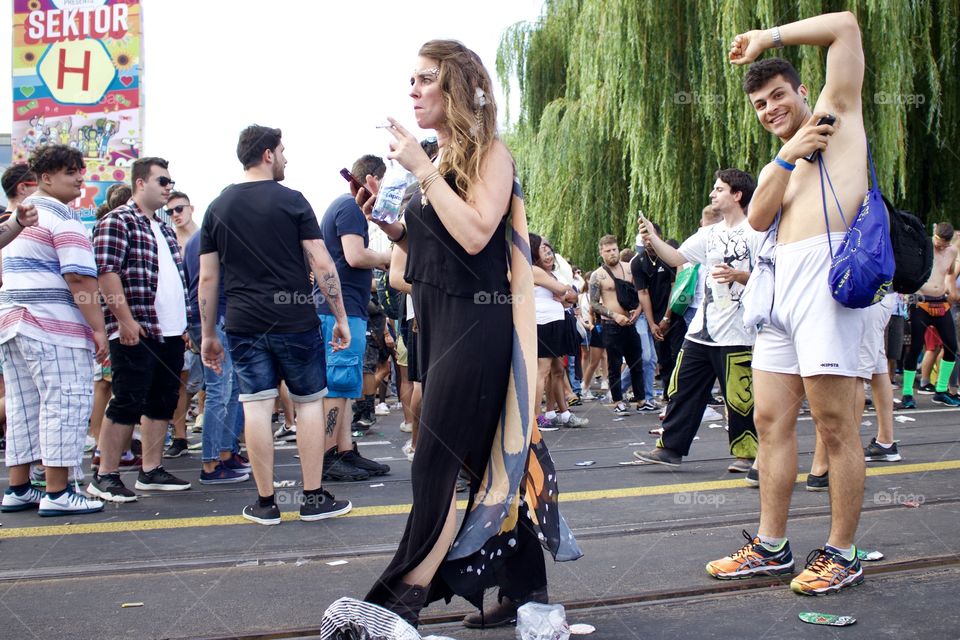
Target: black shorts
{"type": "Point", "coordinates": [552, 339]}
{"type": "Point", "coordinates": [146, 379]}
{"type": "Point", "coordinates": [895, 338]}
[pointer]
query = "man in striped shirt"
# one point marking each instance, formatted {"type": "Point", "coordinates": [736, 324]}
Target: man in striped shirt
{"type": "Point", "coordinates": [51, 327]}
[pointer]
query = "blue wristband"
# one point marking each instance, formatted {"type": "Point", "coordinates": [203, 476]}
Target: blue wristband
{"type": "Point", "coordinates": [783, 163]}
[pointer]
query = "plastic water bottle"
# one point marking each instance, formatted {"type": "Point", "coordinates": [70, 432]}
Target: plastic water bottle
{"type": "Point", "coordinates": [721, 294]}
{"type": "Point", "coordinates": [389, 198]}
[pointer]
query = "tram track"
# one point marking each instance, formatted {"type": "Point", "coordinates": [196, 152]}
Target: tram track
{"type": "Point", "coordinates": [685, 594]}
{"type": "Point", "coordinates": [209, 562]}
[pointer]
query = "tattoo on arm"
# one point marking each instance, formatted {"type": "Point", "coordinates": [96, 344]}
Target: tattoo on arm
{"type": "Point", "coordinates": [596, 300]}
{"type": "Point", "coordinates": [332, 420]}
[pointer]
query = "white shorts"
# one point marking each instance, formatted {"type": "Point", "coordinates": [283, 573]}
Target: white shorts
{"type": "Point", "coordinates": [810, 333]}
{"type": "Point", "coordinates": [49, 399]}
{"type": "Point", "coordinates": [873, 348]}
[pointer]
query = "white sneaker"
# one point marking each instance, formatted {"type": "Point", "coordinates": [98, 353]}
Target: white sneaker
{"type": "Point", "coordinates": [382, 409]}
{"type": "Point", "coordinates": [711, 415]}
{"type": "Point", "coordinates": [397, 406]}
{"type": "Point", "coordinates": [13, 502]}
{"type": "Point", "coordinates": [69, 503]}
{"type": "Point", "coordinates": [408, 450]}
{"type": "Point", "coordinates": [604, 385]}
{"type": "Point", "coordinates": [587, 395]}
{"type": "Point", "coordinates": [406, 427]}
{"type": "Point", "coordinates": [89, 444]}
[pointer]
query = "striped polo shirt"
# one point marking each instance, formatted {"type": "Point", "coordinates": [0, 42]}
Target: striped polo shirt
{"type": "Point", "coordinates": [35, 300]}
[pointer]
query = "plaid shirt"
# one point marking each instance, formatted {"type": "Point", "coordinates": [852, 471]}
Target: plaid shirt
{"type": "Point", "coordinates": [123, 243]}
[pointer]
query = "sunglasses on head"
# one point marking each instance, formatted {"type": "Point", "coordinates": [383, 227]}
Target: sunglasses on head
{"type": "Point", "coordinates": [177, 209]}
{"type": "Point", "coordinates": [164, 181]}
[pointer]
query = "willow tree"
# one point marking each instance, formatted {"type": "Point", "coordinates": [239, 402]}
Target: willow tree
{"type": "Point", "coordinates": [630, 105]}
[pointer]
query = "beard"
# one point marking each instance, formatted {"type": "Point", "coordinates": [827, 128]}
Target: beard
{"type": "Point", "coordinates": [278, 174]}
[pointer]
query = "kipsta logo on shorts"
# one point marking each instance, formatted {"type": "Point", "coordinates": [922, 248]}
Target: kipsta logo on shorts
{"type": "Point", "coordinates": [832, 365]}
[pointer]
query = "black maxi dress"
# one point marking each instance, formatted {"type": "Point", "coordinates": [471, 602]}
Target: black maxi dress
{"type": "Point", "coordinates": [463, 311]}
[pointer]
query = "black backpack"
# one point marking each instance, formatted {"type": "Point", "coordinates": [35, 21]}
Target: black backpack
{"type": "Point", "coordinates": [912, 250]}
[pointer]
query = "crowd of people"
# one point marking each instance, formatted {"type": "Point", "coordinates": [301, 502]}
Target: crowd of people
{"type": "Point", "coordinates": [108, 335]}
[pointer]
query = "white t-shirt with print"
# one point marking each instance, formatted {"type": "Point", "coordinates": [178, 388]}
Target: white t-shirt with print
{"type": "Point", "coordinates": [719, 318]}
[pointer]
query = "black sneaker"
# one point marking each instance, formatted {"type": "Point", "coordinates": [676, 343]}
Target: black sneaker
{"type": "Point", "coordinates": [372, 467]}
{"type": "Point", "coordinates": [261, 515]}
{"type": "Point", "coordinates": [160, 479]}
{"type": "Point", "coordinates": [322, 506]}
{"type": "Point", "coordinates": [873, 452]}
{"type": "Point", "coordinates": [818, 483]}
{"type": "Point", "coordinates": [179, 447]}
{"type": "Point", "coordinates": [110, 487]}
{"type": "Point", "coordinates": [621, 409]}
{"type": "Point", "coordinates": [926, 389]}
{"type": "Point", "coordinates": [659, 455]}
{"type": "Point", "coordinates": [335, 469]}
{"type": "Point", "coordinates": [753, 477]}
{"type": "Point", "coordinates": [908, 403]}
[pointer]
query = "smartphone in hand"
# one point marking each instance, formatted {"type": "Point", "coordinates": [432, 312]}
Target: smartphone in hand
{"type": "Point", "coordinates": [827, 119]}
{"type": "Point", "coordinates": [352, 179]}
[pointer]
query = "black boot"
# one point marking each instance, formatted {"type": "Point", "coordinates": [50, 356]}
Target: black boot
{"type": "Point", "coordinates": [504, 612]}
{"type": "Point", "coordinates": [406, 601]}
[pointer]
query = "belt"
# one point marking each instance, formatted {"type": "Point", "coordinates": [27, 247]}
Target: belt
{"type": "Point", "coordinates": [921, 298]}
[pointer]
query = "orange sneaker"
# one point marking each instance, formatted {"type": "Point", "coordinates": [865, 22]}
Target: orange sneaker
{"type": "Point", "coordinates": [827, 571]}
{"type": "Point", "coordinates": [753, 559]}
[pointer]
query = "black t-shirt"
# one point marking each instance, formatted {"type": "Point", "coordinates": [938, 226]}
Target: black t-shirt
{"type": "Point", "coordinates": [256, 228]}
{"type": "Point", "coordinates": [657, 278]}
{"type": "Point", "coordinates": [344, 217]}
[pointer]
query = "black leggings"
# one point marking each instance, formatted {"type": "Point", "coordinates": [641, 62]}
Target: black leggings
{"type": "Point", "coordinates": [919, 321]}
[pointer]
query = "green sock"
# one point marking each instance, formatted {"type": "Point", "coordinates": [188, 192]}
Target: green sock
{"type": "Point", "coordinates": [908, 379]}
{"type": "Point", "coordinates": [943, 380]}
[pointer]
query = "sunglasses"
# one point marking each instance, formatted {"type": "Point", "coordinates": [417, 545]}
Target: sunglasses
{"type": "Point", "coordinates": [164, 181]}
{"type": "Point", "coordinates": [177, 209]}
{"type": "Point", "coordinates": [27, 183]}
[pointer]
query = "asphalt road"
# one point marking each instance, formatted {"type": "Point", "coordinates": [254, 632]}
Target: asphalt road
{"type": "Point", "coordinates": [201, 571]}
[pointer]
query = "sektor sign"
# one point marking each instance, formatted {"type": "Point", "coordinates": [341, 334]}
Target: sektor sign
{"type": "Point", "coordinates": [76, 81]}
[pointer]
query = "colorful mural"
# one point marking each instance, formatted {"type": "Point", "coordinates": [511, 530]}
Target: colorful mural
{"type": "Point", "coordinates": [76, 81]}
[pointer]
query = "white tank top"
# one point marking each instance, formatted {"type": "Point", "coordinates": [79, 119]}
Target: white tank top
{"type": "Point", "coordinates": [548, 309]}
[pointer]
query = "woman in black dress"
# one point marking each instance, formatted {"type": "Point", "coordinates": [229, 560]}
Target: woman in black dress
{"type": "Point", "coordinates": [455, 243]}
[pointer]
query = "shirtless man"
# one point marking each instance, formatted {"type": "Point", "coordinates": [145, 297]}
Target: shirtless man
{"type": "Point", "coordinates": [812, 344]}
{"type": "Point", "coordinates": [933, 310]}
{"type": "Point", "coordinates": [620, 337]}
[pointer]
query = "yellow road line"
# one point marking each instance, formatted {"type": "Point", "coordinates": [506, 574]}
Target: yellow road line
{"type": "Point", "coordinates": [403, 509]}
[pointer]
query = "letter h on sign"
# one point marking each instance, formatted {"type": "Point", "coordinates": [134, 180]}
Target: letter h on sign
{"type": "Point", "coordinates": [64, 69]}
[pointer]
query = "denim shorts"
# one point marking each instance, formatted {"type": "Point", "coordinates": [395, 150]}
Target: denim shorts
{"type": "Point", "coordinates": [261, 360]}
{"type": "Point", "coordinates": [345, 368]}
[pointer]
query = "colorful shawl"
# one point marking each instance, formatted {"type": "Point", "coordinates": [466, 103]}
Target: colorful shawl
{"type": "Point", "coordinates": [520, 468]}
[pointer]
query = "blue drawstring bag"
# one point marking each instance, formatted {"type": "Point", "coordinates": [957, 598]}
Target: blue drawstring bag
{"type": "Point", "coordinates": [861, 271]}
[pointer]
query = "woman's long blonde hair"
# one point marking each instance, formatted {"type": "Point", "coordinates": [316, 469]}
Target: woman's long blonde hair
{"type": "Point", "coordinates": [469, 107]}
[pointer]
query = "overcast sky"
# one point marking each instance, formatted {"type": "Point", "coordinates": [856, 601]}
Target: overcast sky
{"type": "Point", "coordinates": [325, 72]}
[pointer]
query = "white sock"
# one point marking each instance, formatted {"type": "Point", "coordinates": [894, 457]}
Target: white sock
{"type": "Point", "coordinates": [881, 444]}
{"type": "Point", "coordinates": [772, 544]}
{"type": "Point", "coordinates": [565, 416]}
{"type": "Point", "coordinates": [848, 553]}
{"type": "Point", "coordinates": [550, 415]}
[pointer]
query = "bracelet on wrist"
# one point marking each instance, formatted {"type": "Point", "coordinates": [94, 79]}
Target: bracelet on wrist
{"type": "Point", "coordinates": [777, 39]}
{"type": "Point", "coordinates": [403, 234]}
{"type": "Point", "coordinates": [780, 162]}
